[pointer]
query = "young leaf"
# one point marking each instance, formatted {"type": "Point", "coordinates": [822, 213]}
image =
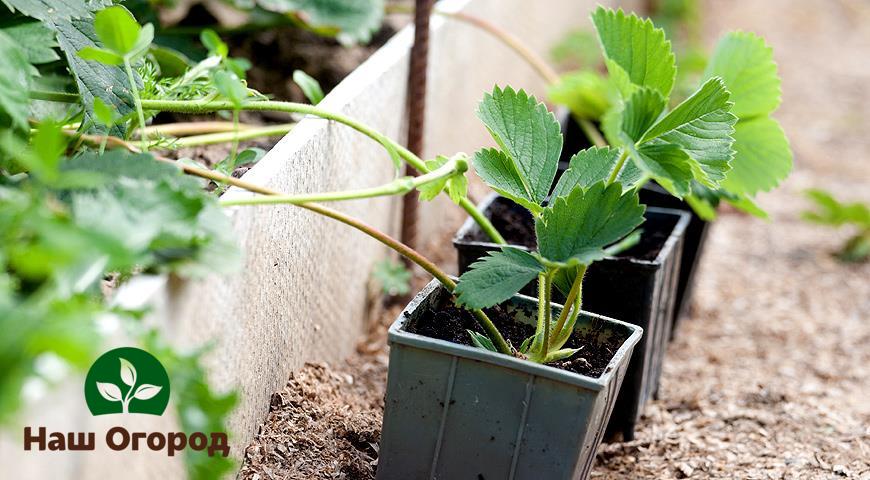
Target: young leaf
{"type": "Point", "coordinates": [109, 391]}
{"type": "Point", "coordinates": [640, 112]}
{"type": "Point", "coordinates": [528, 135]}
{"type": "Point", "coordinates": [230, 87]}
{"type": "Point", "coordinates": [146, 391]}
{"type": "Point", "coordinates": [103, 113]}
{"type": "Point", "coordinates": [499, 172]}
{"type": "Point", "coordinates": [456, 186]}
{"type": "Point", "coordinates": [745, 63]}
{"type": "Point", "coordinates": [101, 55]}
{"type": "Point", "coordinates": [668, 164]}
{"type": "Point", "coordinates": [309, 85]}
{"type": "Point", "coordinates": [762, 157]}
{"type": "Point", "coordinates": [635, 51]}
{"type": "Point", "coordinates": [213, 43]}
{"type": "Point", "coordinates": [14, 85]}
{"type": "Point", "coordinates": [117, 29]}
{"type": "Point", "coordinates": [578, 226]}
{"type": "Point", "coordinates": [836, 213]}
{"type": "Point", "coordinates": [585, 93]}
{"type": "Point", "coordinates": [586, 168]}
{"type": "Point", "coordinates": [496, 278]}
{"type": "Point", "coordinates": [128, 372]}
{"type": "Point", "coordinates": [560, 354]}
{"type": "Point", "coordinates": [481, 341]}
{"type": "Point", "coordinates": [393, 277]}
{"type": "Point", "coordinates": [702, 126]}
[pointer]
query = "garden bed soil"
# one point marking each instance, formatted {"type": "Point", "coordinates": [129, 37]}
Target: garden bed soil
{"type": "Point", "coordinates": [769, 377]}
{"type": "Point", "coordinates": [451, 323]}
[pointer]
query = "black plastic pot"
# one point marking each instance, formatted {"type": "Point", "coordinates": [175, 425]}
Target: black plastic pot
{"type": "Point", "coordinates": [640, 291]}
{"type": "Point", "coordinates": [693, 246]}
{"type": "Point", "coordinates": [458, 412]}
{"type": "Point", "coordinates": [653, 196]}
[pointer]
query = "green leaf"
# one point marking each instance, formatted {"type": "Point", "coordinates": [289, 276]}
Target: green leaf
{"type": "Point", "coordinates": [103, 113]}
{"type": "Point", "coordinates": [143, 42]}
{"type": "Point", "coordinates": [528, 134]}
{"type": "Point", "coordinates": [36, 40]}
{"type": "Point", "coordinates": [213, 43]}
{"type": "Point", "coordinates": [640, 112]}
{"type": "Point", "coordinates": [14, 85]}
{"type": "Point", "coordinates": [496, 278]}
{"type": "Point", "coordinates": [833, 212]}
{"type": "Point", "coordinates": [456, 186]}
{"type": "Point", "coordinates": [393, 277]}
{"type": "Point", "coordinates": [353, 20]}
{"type": "Point", "coordinates": [101, 55]}
{"type": "Point", "coordinates": [585, 93]}
{"type": "Point", "coordinates": [745, 204]}
{"type": "Point", "coordinates": [498, 171]}
{"type": "Point", "coordinates": [309, 85]}
{"type": "Point", "coordinates": [117, 29]}
{"type": "Point", "coordinates": [578, 226]}
{"type": "Point", "coordinates": [635, 50]}
{"type": "Point", "coordinates": [56, 10]}
{"type": "Point", "coordinates": [586, 168]}
{"type": "Point", "coordinates": [745, 63]}
{"type": "Point", "coordinates": [481, 341]}
{"type": "Point", "coordinates": [230, 87]}
{"type": "Point", "coordinates": [667, 164]}
{"type": "Point", "coordinates": [702, 207]}
{"type": "Point", "coordinates": [94, 80]}
{"type": "Point", "coordinates": [762, 157]}
{"type": "Point", "coordinates": [703, 127]}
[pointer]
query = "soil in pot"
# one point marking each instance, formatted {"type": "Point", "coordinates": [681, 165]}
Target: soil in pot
{"type": "Point", "coordinates": [517, 226]}
{"type": "Point", "coordinates": [450, 323]}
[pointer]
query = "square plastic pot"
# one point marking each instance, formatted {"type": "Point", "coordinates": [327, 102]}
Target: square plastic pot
{"type": "Point", "coordinates": [457, 412]}
{"type": "Point", "coordinates": [638, 291]}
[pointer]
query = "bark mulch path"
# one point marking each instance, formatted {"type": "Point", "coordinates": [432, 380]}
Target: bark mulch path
{"type": "Point", "coordinates": [769, 378]}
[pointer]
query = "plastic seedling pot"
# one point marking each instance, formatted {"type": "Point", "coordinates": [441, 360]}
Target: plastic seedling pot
{"type": "Point", "coordinates": [693, 246]}
{"type": "Point", "coordinates": [637, 289]}
{"type": "Point", "coordinates": [459, 412]}
{"type": "Point", "coordinates": [654, 196]}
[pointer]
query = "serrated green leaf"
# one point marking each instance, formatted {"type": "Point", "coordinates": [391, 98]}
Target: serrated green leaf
{"type": "Point", "coordinates": [309, 85]}
{"type": "Point", "coordinates": [578, 226]}
{"type": "Point", "coordinates": [496, 278]}
{"type": "Point", "coordinates": [56, 10]}
{"type": "Point", "coordinates": [586, 168]}
{"type": "Point", "coordinates": [498, 171]}
{"type": "Point", "coordinates": [635, 50]}
{"type": "Point", "coordinates": [117, 29]}
{"type": "Point", "coordinates": [36, 40]}
{"type": "Point", "coordinates": [711, 97]}
{"type": "Point", "coordinates": [481, 341]}
{"type": "Point", "coordinates": [94, 80]}
{"type": "Point", "coordinates": [640, 112]}
{"type": "Point", "coordinates": [352, 20]}
{"type": "Point", "coordinates": [530, 136]}
{"type": "Point", "coordinates": [745, 63]}
{"type": "Point", "coordinates": [585, 93]}
{"type": "Point", "coordinates": [762, 157]}
{"type": "Point", "coordinates": [14, 85]}
{"type": "Point", "coordinates": [667, 164]}
{"type": "Point", "coordinates": [393, 277]}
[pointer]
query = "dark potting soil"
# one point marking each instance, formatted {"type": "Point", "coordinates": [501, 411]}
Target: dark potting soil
{"type": "Point", "coordinates": [517, 226]}
{"type": "Point", "coordinates": [450, 323]}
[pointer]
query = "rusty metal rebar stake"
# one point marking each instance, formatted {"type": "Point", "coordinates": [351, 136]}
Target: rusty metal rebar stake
{"type": "Point", "coordinates": [416, 111]}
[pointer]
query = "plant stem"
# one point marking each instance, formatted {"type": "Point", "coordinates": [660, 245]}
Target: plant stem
{"type": "Point", "coordinates": [548, 311]}
{"type": "Point", "coordinates": [235, 147]}
{"type": "Point", "coordinates": [571, 309]}
{"type": "Point", "coordinates": [396, 187]}
{"type": "Point", "coordinates": [62, 97]}
{"type": "Point", "coordinates": [199, 106]}
{"type": "Point", "coordinates": [412, 255]}
{"type": "Point", "coordinates": [590, 130]}
{"type": "Point", "coordinates": [181, 129]}
{"type": "Point", "coordinates": [619, 164]}
{"type": "Point", "coordinates": [247, 133]}
{"type": "Point", "coordinates": [136, 101]}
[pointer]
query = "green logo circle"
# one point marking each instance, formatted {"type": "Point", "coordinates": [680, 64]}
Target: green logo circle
{"type": "Point", "coordinates": [127, 380]}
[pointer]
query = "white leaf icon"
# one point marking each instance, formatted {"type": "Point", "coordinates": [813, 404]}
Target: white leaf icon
{"type": "Point", "coordinates": [128, 372]}
{"type": "Point", "coordinates": [146, 391]}
{"type": "Point", "coordinates": [109, 391]}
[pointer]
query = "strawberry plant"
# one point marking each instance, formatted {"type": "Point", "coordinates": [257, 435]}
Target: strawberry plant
{"type": "Point", "coordinates": [831, 212]}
